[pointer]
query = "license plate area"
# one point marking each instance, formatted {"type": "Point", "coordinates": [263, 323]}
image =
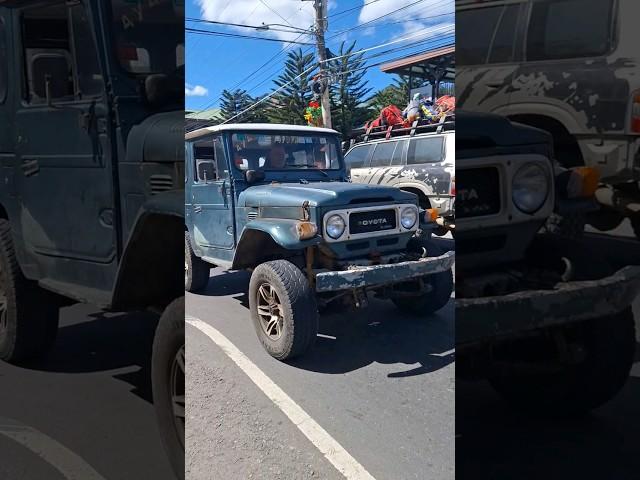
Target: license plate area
{"type": "Point", "coordinates": [372, 221]}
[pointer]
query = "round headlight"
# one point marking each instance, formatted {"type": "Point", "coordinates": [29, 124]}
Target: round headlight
{"type": "Point", "coordinates": [530, 187]}
{"type": "Point", "coordinates": [408, 217]}
{"type": "Point", "coordinates": [335, 226]}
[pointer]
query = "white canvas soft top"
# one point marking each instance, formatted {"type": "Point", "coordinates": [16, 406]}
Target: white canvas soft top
{"type": "Point", "coordinates": [263, 127]}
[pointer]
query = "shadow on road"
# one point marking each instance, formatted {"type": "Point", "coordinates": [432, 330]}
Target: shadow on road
{"type": "Point", "coordinates": [105, 341]}
{"type": "Point", "coordinates": [379, 333]}
{"type": "Point", "coordinates": [498, 443]}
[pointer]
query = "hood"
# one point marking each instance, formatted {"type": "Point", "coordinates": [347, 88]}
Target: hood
{"type": "Point", "coordinates": [320, 194]}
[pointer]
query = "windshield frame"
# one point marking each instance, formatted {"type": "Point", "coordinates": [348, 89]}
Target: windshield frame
{"type": "Point", "coordinates": [331, 137]}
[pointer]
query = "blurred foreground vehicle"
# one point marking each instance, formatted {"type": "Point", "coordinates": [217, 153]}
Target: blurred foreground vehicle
{"type": "Point", "coordinates": [544, 318]}
{"type": "Point", "coordinates": [91, 202]}
{"type": "Point", "coordinates": [571, 68]}
{"type": "Point", "coordinates": [275, 199]}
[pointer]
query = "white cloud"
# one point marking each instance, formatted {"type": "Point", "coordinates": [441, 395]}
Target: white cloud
{"type": "Point", "coordinates": [426, 9]}
{"type": "Point", "coordinates": [195, 91]}
{"type": "Point", "coordinates": [254, 12]}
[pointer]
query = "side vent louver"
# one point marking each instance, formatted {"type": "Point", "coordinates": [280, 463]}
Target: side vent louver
{"type": "Point", "coordinates": [252, 215]}
{"type": "Point", "coordinates": [160, 183]}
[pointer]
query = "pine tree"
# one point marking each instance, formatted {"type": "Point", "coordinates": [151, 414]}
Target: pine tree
{"type": "Point", "coordinates": [233, 103]}
{"type": "Point", "coordinates": [289, 104]}
{"type": "Point", "coordinates": [349, 93]}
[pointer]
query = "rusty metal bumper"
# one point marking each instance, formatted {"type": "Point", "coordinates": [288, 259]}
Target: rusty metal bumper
{"type": "Point", "coordinates": [488, 318]}
{"type": "Point", "coordinates": [374, 275]}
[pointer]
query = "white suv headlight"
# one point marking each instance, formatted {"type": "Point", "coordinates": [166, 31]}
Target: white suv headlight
{"type": "Point", "coordinates": [530, 187]}
{"type": "Point", "coordinates": [335, 226]}
{"type": "Point", "coordinates": [408, 217]}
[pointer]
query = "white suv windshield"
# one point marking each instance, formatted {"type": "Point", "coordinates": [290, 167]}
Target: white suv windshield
{"type": "Point", "coordinates": [276, 151]}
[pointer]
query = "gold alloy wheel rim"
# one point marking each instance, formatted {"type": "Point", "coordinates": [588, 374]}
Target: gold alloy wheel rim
{"type": "Point", "coordinates": [270, 312]}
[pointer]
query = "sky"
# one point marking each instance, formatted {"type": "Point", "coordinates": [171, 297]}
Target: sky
{"type": "Point", "coordinates": [215, 63]}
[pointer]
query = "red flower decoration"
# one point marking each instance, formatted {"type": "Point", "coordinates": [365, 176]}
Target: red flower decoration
{"type": "Point", "coordinates": [314, 104]}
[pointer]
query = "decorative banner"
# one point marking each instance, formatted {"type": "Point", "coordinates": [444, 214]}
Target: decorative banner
{"type": "Point", "coordinates": [313, 114]}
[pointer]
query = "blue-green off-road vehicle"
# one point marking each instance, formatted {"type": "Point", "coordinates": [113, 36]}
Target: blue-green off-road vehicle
{"type": "Point", "coordinates": [276, 199]}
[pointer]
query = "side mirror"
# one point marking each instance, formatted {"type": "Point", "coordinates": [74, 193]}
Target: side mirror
{"type": "Point", "coordinates": [254, 176]}
{"type": "Point", "coordinates": [50, 74]}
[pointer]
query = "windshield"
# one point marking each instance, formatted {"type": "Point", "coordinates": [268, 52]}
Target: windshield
{"type": "Point", "coordinates": [271, 151]}
{"type": "Point", "coordinates": [149, 35]}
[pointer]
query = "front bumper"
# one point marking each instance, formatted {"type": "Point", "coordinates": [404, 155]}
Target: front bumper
{"type": "Point", "coordinates": [489, 318]}
{"type": "Point", "coordinates": [379, 275]}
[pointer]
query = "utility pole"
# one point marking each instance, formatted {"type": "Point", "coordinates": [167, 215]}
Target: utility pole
{"type": "Point", "coordinates": [320, 7]}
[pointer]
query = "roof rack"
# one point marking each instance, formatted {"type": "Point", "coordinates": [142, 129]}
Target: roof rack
{"type": "Point", "coordinates": [366, 134]}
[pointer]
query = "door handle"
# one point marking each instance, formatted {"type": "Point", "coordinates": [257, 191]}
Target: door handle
{"type": "Point", "coordinates": [197, 209]}
{"type": "Point", "coordinates": [494, 84]}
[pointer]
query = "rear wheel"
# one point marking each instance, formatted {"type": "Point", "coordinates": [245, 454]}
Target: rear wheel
{"type": "Point", "coordinates": [283, 309]}
{"type": "Point", "coordinates": [606, 345]}
{"type": "Point", "coordinates": [28, 314]}
{"type": "Point", "coordinates": [196, 270]}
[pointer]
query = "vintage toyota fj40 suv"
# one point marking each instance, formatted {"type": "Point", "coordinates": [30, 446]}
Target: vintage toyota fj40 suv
{"type": "Point", "coordinates": [543, 317]}
{"type": "Point", "coordinates": [419, 158]}
{"type": "Point", "coordinates": [276, 199]}
{"type": "Point", "coordinates": [91, 172]}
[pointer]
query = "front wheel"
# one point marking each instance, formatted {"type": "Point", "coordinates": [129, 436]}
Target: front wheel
{"type": "Point", "coordinates": [168, 381]}
{"type": "Point", "coordinates": [283, 309]}
{"type": "Point", "coordinates": [440, 284]}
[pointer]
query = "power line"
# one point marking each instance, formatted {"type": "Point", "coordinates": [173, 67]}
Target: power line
{"type": "Point", "coordinates": [237, 35]}
{"type": "Point", "coordinates": [254, 27]}
{"type": "Point", "coordinates": [337, 14]}
{"type": "Point", "coordinates": [274, 11]}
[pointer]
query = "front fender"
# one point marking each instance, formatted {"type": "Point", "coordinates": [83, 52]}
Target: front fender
{"type": "Point", "coordinates": [267, 238]}
{"type": "Point", "coordinates": [151, 269]}
{"type": "Point", "coordinates": [282, 231]}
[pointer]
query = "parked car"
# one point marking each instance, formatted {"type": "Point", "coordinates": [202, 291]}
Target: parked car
{"type": "Point", "coordinates": [275, 199]}
{"type": "Point", "coordinates": [569, 67]}
{"type": "Point", "coordinates": [92, 202]}
{"type": "Point", "coordinates": [544, 318]}
{"type": "Point", "coordinates": [419, 159]}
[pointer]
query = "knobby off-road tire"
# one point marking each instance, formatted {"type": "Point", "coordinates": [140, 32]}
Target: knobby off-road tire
{"type": "Point", "coordinates": [608, 345]}
{"type": "Point", "coordinates": [283, 309]}
{"type": "Point", "coordinates": [196, 270]}
{"type": "Point", "coordinates": [28, 314]}
{"type": "Point", "coordinates": [441, 284]}
{"type": "Point", "coordinates": [168, 381]}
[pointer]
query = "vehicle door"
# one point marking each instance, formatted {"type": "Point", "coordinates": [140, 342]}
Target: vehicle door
{"type": "Point", "coordinates": [380, 162]}
{"type": "Point", "coordinates": [487, 54]}
{"type": "Point", "coordinates": [357, 160]}
{"type": "Point", "coordinates": [62, 145]}
{"type": "Point", "coordinates": [211, 196]}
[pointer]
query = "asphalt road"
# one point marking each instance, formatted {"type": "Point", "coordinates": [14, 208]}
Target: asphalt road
{"type": "Point", "coordinates": [495, 442]}
{"type": "Point", "coordinates": [381, 384]}
{"type": "Point", "coordinates": [85, 412]}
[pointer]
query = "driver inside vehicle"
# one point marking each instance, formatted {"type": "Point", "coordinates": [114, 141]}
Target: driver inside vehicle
{"type": "Point", "coordinates": [277, 157]}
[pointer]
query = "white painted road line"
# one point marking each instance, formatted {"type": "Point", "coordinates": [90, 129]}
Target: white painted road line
{"type": "Point", "coordinates": [330, 448]}
{"type": "Point", "coordinates": [69, 464]}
